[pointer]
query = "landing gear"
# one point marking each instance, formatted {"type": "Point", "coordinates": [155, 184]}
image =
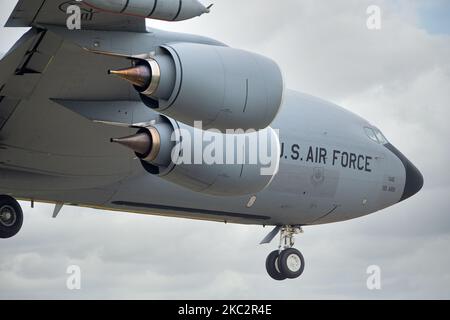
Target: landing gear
{"type": "Point", "coordinates": [272, 266]}
{"type": "Point", "coordinates": [286, 262]}
{"type": "Point", "coordinates": [291, 263]}
{"type": "Point", "coordinates": [11, 217]}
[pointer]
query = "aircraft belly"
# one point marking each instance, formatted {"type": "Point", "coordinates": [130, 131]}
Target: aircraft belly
{"type": "Point", "coordinates": [151, 195]}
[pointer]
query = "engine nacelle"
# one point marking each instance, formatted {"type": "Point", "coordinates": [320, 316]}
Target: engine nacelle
{"type": "Point", "coordinates": [190, 157]}
{"type": "Point", "coordinates": [168, 10]}
{"type": "Point", "coordinates": [225, 88]}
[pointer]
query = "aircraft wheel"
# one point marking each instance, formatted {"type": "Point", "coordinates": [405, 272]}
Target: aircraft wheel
{"type": "Point", "coordinates": [272, 266]}
{"type": "Point", "coordinates": [11, 217]}
{"type": "Point", "coordinates": [291, 263]}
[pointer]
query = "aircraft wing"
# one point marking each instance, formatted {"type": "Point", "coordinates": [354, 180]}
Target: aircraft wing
{"type": "Point", "coordinates": [49, 68]}
{"type": "Point", "coordinates": [55, 91]}
{"type": "Point", "coordinates": [34, 13]}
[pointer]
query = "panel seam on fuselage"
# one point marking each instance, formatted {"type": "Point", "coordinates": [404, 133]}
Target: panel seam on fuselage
{"type": "Point", "coordinates": [190, 210]}
{"type": "Point", "coordinates": [325, 215]}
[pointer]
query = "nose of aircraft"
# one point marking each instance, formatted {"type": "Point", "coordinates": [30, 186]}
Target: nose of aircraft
{"type": "Point", "coordinates": [414, 178]}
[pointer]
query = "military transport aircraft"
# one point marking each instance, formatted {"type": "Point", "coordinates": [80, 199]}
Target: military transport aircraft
{"type": "Point", "coordinates": [98, 117]}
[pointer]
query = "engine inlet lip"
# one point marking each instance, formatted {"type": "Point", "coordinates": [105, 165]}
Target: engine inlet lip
{"type": "Point", "coordinates": [155, 79]}
{"type": "Point", "coordinates": [155, 144]}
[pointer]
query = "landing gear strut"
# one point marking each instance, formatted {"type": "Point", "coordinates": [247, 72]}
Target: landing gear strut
{"type": "Point", "coordinates": [286, 262]}
{"type": "Point", "coordinates": [11, 217]}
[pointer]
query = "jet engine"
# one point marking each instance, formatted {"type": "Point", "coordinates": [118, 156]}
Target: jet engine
{"type": "Point", "coordinates": [168, 10]}
{"type": "Point", "coordinates": [206, 161]}
{"type": "Point", "coordinates": [225, 88]}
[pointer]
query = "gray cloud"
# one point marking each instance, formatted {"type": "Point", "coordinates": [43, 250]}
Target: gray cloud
{"type": "Point", "coordinates": [397, 77]}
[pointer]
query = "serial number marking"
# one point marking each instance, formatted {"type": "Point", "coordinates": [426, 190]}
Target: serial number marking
{"type": "Point", "coordinates": [388, 189]}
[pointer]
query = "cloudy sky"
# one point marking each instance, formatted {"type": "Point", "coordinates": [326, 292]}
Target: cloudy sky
{"type": "Point", "coordinates": [397, 77]}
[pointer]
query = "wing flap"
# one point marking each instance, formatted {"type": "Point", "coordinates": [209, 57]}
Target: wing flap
{"type": "Point", "coordinates": [22, 68]}
{"type": "Point", "coordinates": [20, 87]}
{"type": "Point", "coordinates": [24, 13]}
{"type": "Point", "coordinates": [7, 107]}
{"type": "Point", "coordinates": [29, 13]}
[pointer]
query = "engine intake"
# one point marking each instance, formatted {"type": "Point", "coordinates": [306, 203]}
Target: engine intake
{"type": "Point", "coordinates": [164, 147]}
{"type": "Point", "coordinates": [225, 88]}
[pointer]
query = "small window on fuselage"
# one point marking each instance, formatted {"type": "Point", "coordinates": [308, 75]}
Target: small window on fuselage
{"type": "Point", "coordinates": [381, 138]}
{"type": "Point", "coordinates": [371, 134]}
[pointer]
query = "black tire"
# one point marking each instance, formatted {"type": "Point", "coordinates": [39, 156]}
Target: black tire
{"type": "Point", "coordinates": [11, 217]}
{"type": "Point", "coordinates": [291, 263]}
{"type": "Point", "coordinates": [272, 266]}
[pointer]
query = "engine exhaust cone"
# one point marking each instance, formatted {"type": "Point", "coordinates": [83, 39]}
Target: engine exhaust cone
{"type": "Point", "coordinates": [140, 143]}
{"type": "Point", "coordinates": [140, 76]}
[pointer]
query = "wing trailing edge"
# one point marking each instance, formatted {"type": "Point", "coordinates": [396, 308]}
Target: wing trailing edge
{"type": "Point", "coordinates": [39, 13]}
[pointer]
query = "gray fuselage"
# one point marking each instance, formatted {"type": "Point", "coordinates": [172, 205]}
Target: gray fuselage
{"type": "Point", "coordinates": [330, 170]}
